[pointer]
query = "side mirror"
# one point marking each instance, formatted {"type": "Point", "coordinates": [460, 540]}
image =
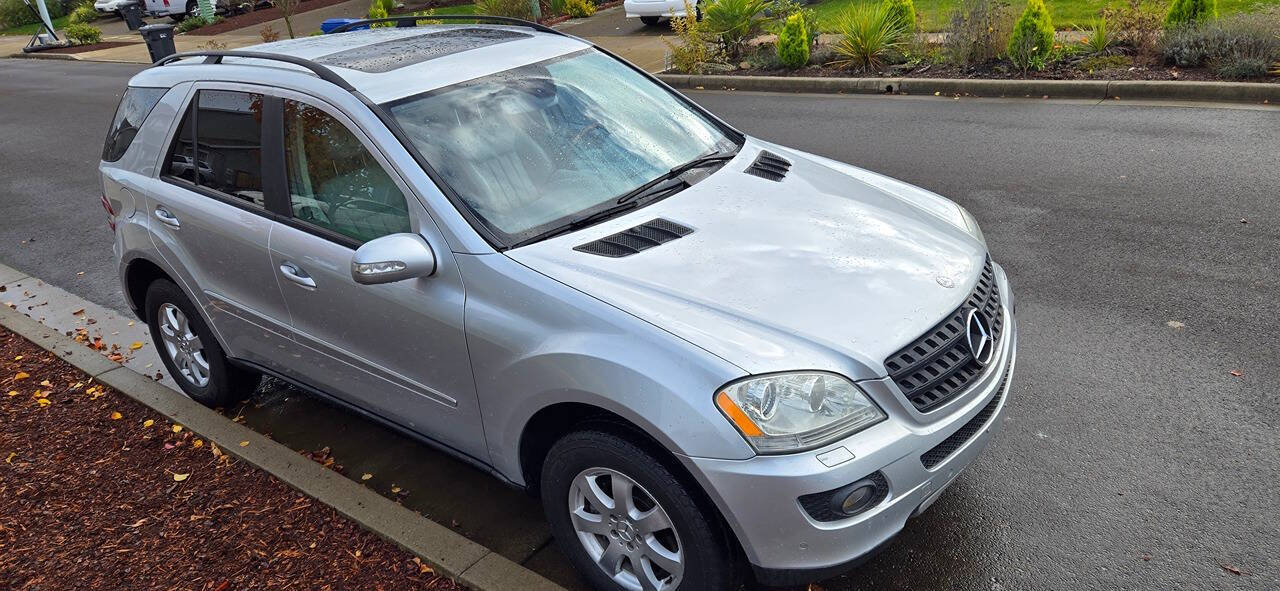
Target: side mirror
{"type": "Point", "coordinates": [394, 257]}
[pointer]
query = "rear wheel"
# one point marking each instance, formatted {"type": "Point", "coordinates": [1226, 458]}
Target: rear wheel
{"type": "Point", "coordinates": [190, 352]}
{"type": "Point", "coordinates": [651, 21]}
{"type": "Point", "coordinates": [627, 522]}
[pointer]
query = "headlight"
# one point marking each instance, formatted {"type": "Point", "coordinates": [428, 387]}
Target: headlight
{"type": "Point", "coordinates": [795, 411]}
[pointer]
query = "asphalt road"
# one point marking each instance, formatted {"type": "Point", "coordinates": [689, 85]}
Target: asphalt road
{"type": "Point", "coordinates": [1144, 245]}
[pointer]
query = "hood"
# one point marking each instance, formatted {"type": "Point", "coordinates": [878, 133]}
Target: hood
{"type": "Point", "coordinates": [832, 268]}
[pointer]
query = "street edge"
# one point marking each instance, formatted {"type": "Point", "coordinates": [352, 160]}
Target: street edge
{"type": "Point", "coordinates": [446, 551]}
{"type": "Point", "coordinates": [1249, 92]}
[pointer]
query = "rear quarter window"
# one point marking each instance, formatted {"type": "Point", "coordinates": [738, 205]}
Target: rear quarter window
{"type": "Point", "coordinates": [133, 109]}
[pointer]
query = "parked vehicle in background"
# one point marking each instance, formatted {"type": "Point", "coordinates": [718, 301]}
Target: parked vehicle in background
{"type": "Point", "coordinates": [710, 355]}
{"type": "Point", "coordinates": [180, 9]}
{"type": "Point", "coordinates": [111, 6]}
{"type": "Point", "coordinates": [653, 12]}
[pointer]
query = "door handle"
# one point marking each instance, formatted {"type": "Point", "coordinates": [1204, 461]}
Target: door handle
{"type": "Point", "coordinates": [295, 274]}
{"type": "Point", "coordinates": [167, 218]}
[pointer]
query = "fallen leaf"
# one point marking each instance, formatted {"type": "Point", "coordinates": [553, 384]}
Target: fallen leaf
{"type": "Point", "coordinates": [1232, 569]}
{"type": "Point", "coordinates": [115, 415]}
{"type": "Point", "coordinates": [18, 358]}
{"type": "Point", "coordinates": [46, 383]}
{"type": "Point", "coordinates": [180, 477]}
{"type": "Point", "coordinates": [244, 444]}
{"type": "Point", "coordinates": [177, 428]}
{"type": "Point", "coordinates": [1145, 556]}
{"type": "Point", "coordinates": [13, 392]}
{"type": "Point", "coordinates": [366, 476]}
{"type": "Point", "coordinates": [137, 523]}
{"type": "Point", "coordinates": [135, 346]}
{"type": "Point", "coordinates": [78, 312]}
{"type": "Point", "coordinates": [9, 460]}
{"type": "Point", "coordinates": [22, 375]}
{"type": "Point", "coordinates": [43, 402]}
{"type": "Point", "coordinates": [217, 452]}
{"type": "Point", "coordinates": [147, 423]}
{"type": "Point", "coordinates": [197, 444]}
{"type": "Point", "coordinates": [1237, 373]}
{"type": "Point", "coordinates": [395, 489]}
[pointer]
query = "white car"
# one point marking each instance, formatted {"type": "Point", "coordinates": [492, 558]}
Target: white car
{"type": "Point", "coordinates": [653, 11]}
{"type": "Point", "coordinates": [111, 6]}
{"type": "Point", "coordinates": [178, 9]}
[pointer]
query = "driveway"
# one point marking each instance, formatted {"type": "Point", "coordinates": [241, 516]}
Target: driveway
{"type": "Point", "coordinates": [1142, 242]}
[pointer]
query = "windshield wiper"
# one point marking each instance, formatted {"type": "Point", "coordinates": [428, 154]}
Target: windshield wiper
{"type": "Point", "coordinates": [577, 223]}
{"type": "Point", "coordinates": [659, 185]}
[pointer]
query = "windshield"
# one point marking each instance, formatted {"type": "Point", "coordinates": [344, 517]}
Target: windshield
{"type": "Point", "coordinates": [531, 148]}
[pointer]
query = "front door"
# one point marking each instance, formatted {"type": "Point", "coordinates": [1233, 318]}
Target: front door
{"type": "Point", "coordinates": [396, 349]}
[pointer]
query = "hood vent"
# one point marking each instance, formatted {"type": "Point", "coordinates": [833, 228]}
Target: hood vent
{"type": "Point", "coordinates": [634, 240]}
{"type": "Point", "coordinates": [769, 166]}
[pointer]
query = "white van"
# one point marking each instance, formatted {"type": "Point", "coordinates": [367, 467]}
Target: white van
{"type": "Point", "coordinates": [179, 9]}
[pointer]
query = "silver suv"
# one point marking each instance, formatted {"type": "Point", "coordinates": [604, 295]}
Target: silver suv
{"type": "Point", "coordinates": [710, 356]}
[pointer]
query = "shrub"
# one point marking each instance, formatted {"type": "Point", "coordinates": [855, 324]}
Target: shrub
{"type": "Point", "coordinates": [195, 21]}
{"type": "Point", "coordinates": [269, 33]}
{"type": "Point", "coordinates": [868, 35]}
{"type": "Point", "coordinates": [904, 11]}
{"type": "Point", "coordinates": [83, 14]}
{"type": "Point", "coordinates": [781, 10]}
{"type": "Point", "coordinates": [696, 53]}
{"type": "Point", "coordinates": [1098, 38]}
{"type": "Point", "coordinates": [793, 43]}
{"type": "Point", "coordinates": [1137, 26]}
{"type": "Point", "coordinates": [376, 11]}
{"type": "Point", "coordinates": [512, 8]}
{"type": "Point", "coordinates": [735, 22]}
{"type": "Point", "coordinates": [82, 34]}
{"type": "Point", "coordinates": [1234, 46]}
{"type": "Point", "coordinates": [388, 6]}
{"type": "Point", "coordinates": [1032, 37]}
{"type": "Point", "coordinates": [579, 8]}
{"type": "Point", "coordinates": [13, 13]}
{"type": "Point", "coordinates": [979, 31]}
{"type": "Point", "coordinates": [557, 7]}
{"type": "Point", "coordinates": [1186, 12]}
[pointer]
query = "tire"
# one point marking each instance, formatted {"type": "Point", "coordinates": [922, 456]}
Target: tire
{"type": "Point", "coordinates": [651, 21]}
{"type": "Point", "coordinates": [705, 558]}
{"type": "Point", "coordinates": [208, 378]}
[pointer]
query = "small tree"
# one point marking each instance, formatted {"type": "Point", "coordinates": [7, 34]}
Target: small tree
{"type": "Point", "coordinates": [904, 11]}
{"type": "Point", "coordinates": [793, 42]}
{"type": "Point", "coordinates": [1188, 12]}
{"type": "Point", "coordinates": [696, 52]}
{"type": "Point", "coordinates": [1032, 38]}
{"type": "Point", "coordinates": [287, 9]}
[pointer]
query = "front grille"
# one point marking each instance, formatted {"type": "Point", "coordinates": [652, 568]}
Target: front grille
{"type": "Point", "coordinates": [821, 506]}
{"type": "Point", "coordinates": [951, 444]}
{"type": "Point", "coordinates": [938, 365]}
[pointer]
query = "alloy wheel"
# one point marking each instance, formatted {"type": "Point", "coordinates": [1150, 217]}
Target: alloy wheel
{"type": "Point", "coordinates": [625, 531]}
{"type": "Point", "coordinates": [183, 346]}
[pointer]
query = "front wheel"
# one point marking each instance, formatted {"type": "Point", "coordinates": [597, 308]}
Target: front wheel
{"type": "Point", "coordinates": [627, 522]}
{"type": "Point", "coordinates": [190, 352]}
{"type": "Point", "coordinates": [651, 21]}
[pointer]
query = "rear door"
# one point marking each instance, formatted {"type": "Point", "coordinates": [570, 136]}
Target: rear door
{"type": "Point", "coordinates": [397, 349]}
{"type": "Point", "coordinates": [210, 218]}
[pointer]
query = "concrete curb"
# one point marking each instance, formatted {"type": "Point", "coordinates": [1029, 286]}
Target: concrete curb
{"type": "Point", "coordinates": [448, 552]}
{"type": "Point", "coordinates": [43, 56]}
{"type": "Point", "coordinates": [1251, 92]}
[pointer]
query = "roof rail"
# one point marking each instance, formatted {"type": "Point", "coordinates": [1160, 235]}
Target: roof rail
{"type": "Point", "coordinates": [215, 57]}
{"type": "Point", "coordinates": [410, 20]}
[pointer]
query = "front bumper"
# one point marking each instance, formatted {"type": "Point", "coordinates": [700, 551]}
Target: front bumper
{"type": "Point", "coordinates": [785, 545]}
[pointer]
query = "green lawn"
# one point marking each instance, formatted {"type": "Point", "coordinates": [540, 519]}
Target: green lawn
{"type": "Point", "coordinates": [58, 24]}
{"type": "Point", "coordinates": [933, 13]}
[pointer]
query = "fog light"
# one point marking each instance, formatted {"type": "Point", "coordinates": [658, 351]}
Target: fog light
{"type": "Point", "coordinates": [857, 499]}
{"type": "Point", "coordinates": [847, 501]}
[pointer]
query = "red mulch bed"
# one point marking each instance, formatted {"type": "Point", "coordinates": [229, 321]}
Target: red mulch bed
{"type": "Point", "coordinates": [93, 47]}
{"type": "Point", "coordinates": [258, 17]}
{"type": "Point", "coordinates": [90, 501]}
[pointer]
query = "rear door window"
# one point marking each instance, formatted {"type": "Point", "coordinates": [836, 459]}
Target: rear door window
{"type": "Point", "coordinates": [219, 145]}
{"type": "Point", "coordinates": [136, 103]}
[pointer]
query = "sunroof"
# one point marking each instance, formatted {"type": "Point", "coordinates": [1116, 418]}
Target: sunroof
{"type": "Point", "coordinates": [406, 51]}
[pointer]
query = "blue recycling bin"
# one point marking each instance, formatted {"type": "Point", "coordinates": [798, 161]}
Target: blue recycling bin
{"type": "Point", "coordinates": [329, 25]}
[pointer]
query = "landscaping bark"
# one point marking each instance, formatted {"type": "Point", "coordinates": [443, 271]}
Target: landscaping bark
{"type": "Point", "coordinates": [99, 492]}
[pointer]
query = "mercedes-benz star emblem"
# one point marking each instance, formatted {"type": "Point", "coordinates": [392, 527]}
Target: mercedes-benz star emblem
{"type": "Point", "coordinates": [979, 335]}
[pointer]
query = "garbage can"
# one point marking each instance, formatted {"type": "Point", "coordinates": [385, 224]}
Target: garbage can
{"type": "Point", "coordinates": [330, 24]}
{"type": "Point", "coordinates": [132, 14]}
{"type": "Point", "coordinates": [159, 38]}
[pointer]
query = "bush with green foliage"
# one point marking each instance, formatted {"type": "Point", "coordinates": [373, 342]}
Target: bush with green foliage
{"type": "Point", "coordinates": [905, 11]}
{"type": "Point", "coordinates": [377, 11]}
{"type": "Point", "coordinates": [84, 13]}
{"type": "Point", "coordinates": [13, 13]}
{"type": "Point", "coordinates": [781, 10]}
{"type": "Point", "coordinates": [388, 6]}
{"type": "Point", "coordinates": [979, 31]}
{"type": "Point", "coordinates": [1097, 37]}
{"type": "Point", "coordinates": [512, 8]}
{"type": "Point", "coordinates": [579, 8]}
{"type": "Point", "coordinates": [869, 34]}
{"type": "Point", "coordinates": [1189, 12]}
{"type": "Point", "coordinates": [195, 21]}
{"type": "Point", "coordinates": [1032, 38]}
{"type": "Point", "coordinates": [697, 51]}
{"type": "Point", "coordinates": [82, 34]}
{"type": "Point", "coordinates": [735, 22]}
{"type": "Point", "coordinates": [1239, 46]}
{"type": "Point", "coordinates": [793, 43]}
